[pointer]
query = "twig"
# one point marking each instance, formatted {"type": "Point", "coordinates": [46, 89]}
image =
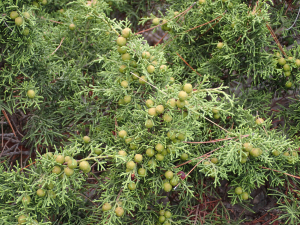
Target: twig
{"type": "Point", "coordinates": [184, 12]}
{"type": "Point", "coordinates": [58, 45]}
{"type": "Point", "coordinates": [28, 165]}
{"type": "Point", "coordinates": [205, 23]}
{"type": "Point", "coordinates": [188, 64]}
{"type": "Point", "coordinates": [216, 124]}
{"type": "Point", "coordinates": [3, 111]}
{"type": "Point", "coordinates": [280, 172]}
{"type": "Point", "coordinates": [206, 156]}
{"type": "Point", "coordinates": [161, 38]}
{"type": "Point", "coordinates": [198, 157]}
{"type": "Point", "coordinates": [275, 38]}
{"type": "Point", "coordinates": [148, 83]}
{"type": "Point", "coordinates": [7, 25]}
{"type": "Point", "coordinates": [214, 141]}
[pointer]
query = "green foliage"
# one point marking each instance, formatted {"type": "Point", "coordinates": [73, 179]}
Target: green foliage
{"type": "Point", "coordinates": [112, 116]}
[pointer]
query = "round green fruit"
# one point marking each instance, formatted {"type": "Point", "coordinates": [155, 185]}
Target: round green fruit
{"type": "Point", "coordinates": [19, 21]}
{"type": "Point", "coordinates": [126, 32]}
{"type": "Point", "coordinates": [152, 163]}
{"type": "Point", "coordinates": [214, 160]}
{"type": "Point", "coordinates": [159, 147]}
{"type": "Point", "coordinates": [106, 206]}
{"type": "Point", "coordinates": [281, 61]}
{"type": "Point", "coordinates": [188, 88]}
{"type": "Point", "coordinates": [259, 121]}
{"type": "Point", "coordinates": [72, 26]}
{"type": "Point", "coordinates": [124, 84]}
{"type": "Point", "coordinates": [152, 112]}
{"type": "Point", "coordinates": [26, 199]}
{"type": "Point", "coordinates": [217, 116]}
{"type": "Point", "coordinates": [150, 152]}
{"type": "Point", "coordinates": [131, 186]}
{"type": "Point", "coordinates": [159, 109]}
{"type": "Point", "coordinates": [243, 160]}
{"type": "Point", "coordinates": [161, 219]}
{"type": "Point", "coordinates": [276, 153]}
{"type": "Point", "coordinates": [238, 190]}
{"type": "Point", "coordinates": [255, 152]}
{"type": "Point", "coordinates": [130, 165]}
{"type": "Point", "coordinates": [215, 111]}
{"type": "Point", "coordinates": [146, 55]}
{"type": "Point", "coordinates": [97, 151]}
{"type": "Point", "coordinates": [69, 172]}
{"type": "Point", "coordinates": [26, 31]}
{"type": "Point", "coordinates": [122, 50]}
{"type": "Point", "coordinates": [167, 187]}
{"type": "Point", "coordinates": [171, 102]}
{"type": "Point", "coordinates": [174, 181]}
{"type": "Point", "coordinates": [22, 219]}
{"type": "Point", "coordinates": [245, 195]}
{"type": "Point", "coordinates": [84, 165]}
{"type": "Point", "coordinates": [67, 158]}
{"type": "Point", "coordinates": [122, 153]}
{"type": "Point", "coordinates": [201, 2]}
{"type": "Point", "coordinates": [121, 41]}
{"type": "Point", "coordinates": [149, 123]}
{"type": "Point", "coordinates": [169, 174]}
{"type": "Point", "coordinates": [286, 67]}
{"type": "Point", "coordinates": [127, 99]}
{"type": "Point", "coordinates": [72, 163]}
{"type": "Point", "coordinates": [162, 212]}
{"type": "Point", "coordinates": [26, 15]}
{"type": "Point", "coordinates": [287, 73]}
{"type": "Point", "coordinates": [159, 157]}
{"type": "Point", "coordinates": [40, 192]}
{"type": "Point", "coordinates": [126, 57]}
{"type": "Point", "coordinates": [30, 93]}
{"type": "Point", "coordinates": [143, 80]}
{"type": "Point", "coordinates": [180, 104]}
{"type": "Point", "coordinates": [220, 45]}
{"type": "Point", "coordinates": [142, 172]}
{"type": "Point", "coordinates": [294, 153]}
{"type": "Point", "coordinates": [167, 118]}
{"type": "Point", "coordinates": [155, 21]}
{"type": "Point", "coordinates": [135, 76]}
{"type": "Point", "coordinates": [163, 68]}
{"type": "Point", "coordinates": [168, 214]}
{"type": "Point", "coordinates": [138, 158]}
{"type": "Point", "coordinates": [86, 139]}
{"type": "Point", "coordinates": [56, 170]}
{"type": "Point", "coordinates": [13, 15]}
{"type": "Point", "coordinates": [181, 136]}
{"type": "Point", "coordinates": [286, 154]}
{"type": "Point", "coordinates": [122, 134]}
{"type": "Point", "coordinates": [44, 2]}
{"type": "Point", "coordinates": [150, 69]}
{"type": "Point", "coordinates": [184, 156]}
{"type": "Point", "coordinates": [247, 147]}
{"type": "Point", "coordinates": [122, 68]}
{"type": "Point", "coordinates": [288, 84]}
{"type": "Point", "coordinates": [119, 211]}
{"type": "Point", "coordinates": [182, 96]}
{"type": "Point", "coordinates": [60, 159]}
{"type": "Point", "coordinates": [149, 103]}
{"type": "Point", "coordinates": [297, 62]}
{"type": "Point", "coordinates": [35, 4]}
